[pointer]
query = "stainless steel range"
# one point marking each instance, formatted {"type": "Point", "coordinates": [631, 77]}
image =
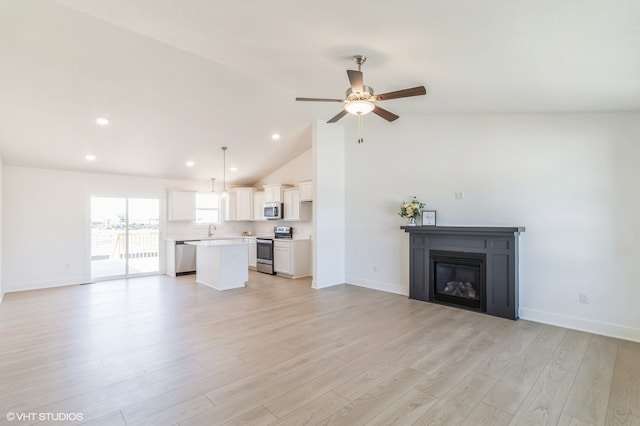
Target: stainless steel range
{"type": "Point", "coordinates": [264, 246]}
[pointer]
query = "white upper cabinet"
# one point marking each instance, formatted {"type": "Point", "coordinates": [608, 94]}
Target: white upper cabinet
{"type": "Point", "coordinates": [245, 203]}
{"type": "Point", "coordinates": [273, 193]}
{"type": "Point", "coordinates": [239, 204]}
{"type": "Point", "coordinates": [258, 206]}
{"type": "Point", "coordinates": [231, 207]}
{"type": "Point", "coordinates": [181, 205]}
{"type": "Point", "coordinates": [294, 210]}
{"type": "Point", "coordinates": [306, 190]}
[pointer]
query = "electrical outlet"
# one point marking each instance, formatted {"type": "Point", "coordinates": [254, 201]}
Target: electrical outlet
{"type": "Point", "coordinates": [460, 195]}
{"type": "Point", "coordinates": [584, 298]}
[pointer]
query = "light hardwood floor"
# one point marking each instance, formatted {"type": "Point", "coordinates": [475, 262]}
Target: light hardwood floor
{"type": "Point", "coordinates": [165, 351]}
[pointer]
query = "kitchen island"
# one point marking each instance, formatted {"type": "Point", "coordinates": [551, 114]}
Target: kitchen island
{"type": "Point", "coordinates": [222, 264]}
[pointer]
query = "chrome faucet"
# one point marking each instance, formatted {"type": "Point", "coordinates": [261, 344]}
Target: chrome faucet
{"type": "Point", "coordinates": [210, 231]}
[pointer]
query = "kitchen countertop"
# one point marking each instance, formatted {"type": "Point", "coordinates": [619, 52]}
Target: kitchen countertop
{"type": "Point", "coordinates": [218, 242]}
{"type": "Point", "coordinates": [215, 237]}
{"type": "Point", "coordinates": [234, 237]}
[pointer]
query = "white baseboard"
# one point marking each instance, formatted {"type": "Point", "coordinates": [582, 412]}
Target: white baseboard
{"type": "Point", "coordinates": [323, 284]}
{"type": "Point", "coordinates": [581, 324]}
{"type": "Point", "coordinates": [574, 323]}
{"type": "Point", "coordinates": [38, 285]}
{"type": "Point", "coordinates": [378, 285]}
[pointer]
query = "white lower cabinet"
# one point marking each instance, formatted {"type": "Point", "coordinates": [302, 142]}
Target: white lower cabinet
{"type": "Point", "coordinates": [282, 257]}
{"type": "Point", "coordinates": [292, 258]}
{"type": "Point", "coordinates": [253, 254]}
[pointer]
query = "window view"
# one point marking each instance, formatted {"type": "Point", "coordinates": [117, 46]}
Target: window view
{"type": "Point", "coordinates": [124, 236]}
{"type": "Point", "coordinates": [207, 208]}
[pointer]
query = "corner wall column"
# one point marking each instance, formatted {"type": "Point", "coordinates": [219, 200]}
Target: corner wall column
{"type": "Point", "coordinates": [328, 205]}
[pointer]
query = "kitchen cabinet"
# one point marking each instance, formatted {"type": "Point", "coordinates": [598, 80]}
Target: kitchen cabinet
{"type": "Point", "coordinates": [181, 205]}
{"type": "Point", "coordinates": [273, 193]}
{"type": "Point", "coordinates": [244, 203]}
{"type": "Point", "coordinates": [294, 209]}
{"type": "Point", "coordinates": [258, 206]}
{"type": "Point", "coordinates": [292, 258]}
{"type": "Point", "coordinates": [231, 207]}
{"type": "Point", "coordinates": [239, 204]}
{"type": "Point", "coordinates": [253, 254]}
{"type": "Point", "coordinates": [306, 190]}
{"type": "Point", "coordinates": [222, 264]}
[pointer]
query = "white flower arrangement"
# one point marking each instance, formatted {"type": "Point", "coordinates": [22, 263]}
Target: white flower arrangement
{"type": "Point", "coordinates": [411, 209]}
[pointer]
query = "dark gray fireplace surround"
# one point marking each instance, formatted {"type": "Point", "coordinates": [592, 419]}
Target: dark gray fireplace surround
{"type": "Point", "coordinates": [497, 247]}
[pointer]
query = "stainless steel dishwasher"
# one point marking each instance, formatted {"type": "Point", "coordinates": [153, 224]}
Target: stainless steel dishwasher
{"type": "Point", "coordinates": [185, 258]}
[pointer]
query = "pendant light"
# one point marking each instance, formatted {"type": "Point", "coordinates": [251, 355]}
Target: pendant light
{"type": "Point", "coordinates": [224, 171]}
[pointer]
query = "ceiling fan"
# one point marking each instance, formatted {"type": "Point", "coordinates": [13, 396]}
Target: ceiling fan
{"type": "Point", "coordinates": [360, 99]}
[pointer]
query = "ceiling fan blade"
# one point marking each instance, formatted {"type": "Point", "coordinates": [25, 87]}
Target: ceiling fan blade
{"type": "Point", "coordinates": [387, 115]}
{"type": "Point", "coordinates": [338, 116]}
{"type": "Point", "coordinates": [414, 91]}
{"type": "Point", "coordinates": [355, 78]}
{"type": "Point", "coordinates": [319, 100]}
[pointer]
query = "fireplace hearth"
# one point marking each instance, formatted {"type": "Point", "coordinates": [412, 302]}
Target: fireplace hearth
{"type": "Point", "coordinates": [468, 267]}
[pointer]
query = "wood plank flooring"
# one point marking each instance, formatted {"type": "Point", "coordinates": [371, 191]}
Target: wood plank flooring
{"type": "Point", "coordinates": [167, 351]}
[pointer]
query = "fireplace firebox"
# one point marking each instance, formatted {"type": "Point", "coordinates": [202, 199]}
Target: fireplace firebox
{"type": "Point", "coordinates": [458, 278]}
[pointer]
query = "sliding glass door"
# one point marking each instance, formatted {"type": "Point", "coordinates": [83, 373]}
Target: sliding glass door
{"type": "Point", "coordinates": [125, 237]}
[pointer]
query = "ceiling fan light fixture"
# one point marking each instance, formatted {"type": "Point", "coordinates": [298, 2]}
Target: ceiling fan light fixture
{"type": "Point", "coordinates": [359, 107]}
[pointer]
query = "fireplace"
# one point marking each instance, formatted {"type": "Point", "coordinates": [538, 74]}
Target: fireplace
{"type": "Point", "coordinates": [458, 278]}
{"type": "Point", "coordinates": [470, 267]}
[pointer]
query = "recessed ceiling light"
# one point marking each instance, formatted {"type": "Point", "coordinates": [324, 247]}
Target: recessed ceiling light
{"type": "Point", "coordinates": [102, 121]}
{"type": "Point", "coordinates": [275, 136]}
{"type": "Point", "coordinates": [190, 164]}
{"type": "Point", "coordinates": [233, 169]}
{"type": "Point", "coordinates": [90, 157]}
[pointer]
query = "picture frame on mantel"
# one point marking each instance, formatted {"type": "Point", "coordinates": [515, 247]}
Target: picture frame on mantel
{"type": "Point", "coordinates": [428, 218]}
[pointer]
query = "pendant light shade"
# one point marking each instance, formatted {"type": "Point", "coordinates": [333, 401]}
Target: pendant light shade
{"type": "Point", "coordinates": [224, 171]}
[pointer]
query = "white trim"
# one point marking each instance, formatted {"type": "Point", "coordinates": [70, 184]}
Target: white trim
{"type": "Point", "coordinates": [37, 285]}
{"type": "Point", "coordinates": [122, 277]}
{"type": "Point", "coordinates": [323, 284]}
{"type": "Point", "coordinates": [378, 285]}
{"type": "Point", "coordinates": [1, 295]}
{"type": "Point", "coordinates": [581, 324]}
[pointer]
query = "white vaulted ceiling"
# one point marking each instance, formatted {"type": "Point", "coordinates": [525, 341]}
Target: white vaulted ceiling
{"type": "Point", "coordinates": [180, 79]}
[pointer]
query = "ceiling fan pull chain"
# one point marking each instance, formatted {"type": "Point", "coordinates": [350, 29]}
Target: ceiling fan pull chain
{"type": "Point", "coordinates": [360, 138]}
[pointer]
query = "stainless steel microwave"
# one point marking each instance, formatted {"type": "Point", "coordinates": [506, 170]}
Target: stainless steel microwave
{"type": "Point", "coordinates": [273, 210]}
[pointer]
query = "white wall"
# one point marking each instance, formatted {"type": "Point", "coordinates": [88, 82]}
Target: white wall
{"type": "Point", "coordinates": [329, 204]}
{"type": "Point", "coordinates": [46, 222]}
{"type": "Point", "coordinates": [570, 179]}
{"type": "Point", "coordinates": [300, 168]}
{"type": "Point", "coordinates": [1, 280]}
